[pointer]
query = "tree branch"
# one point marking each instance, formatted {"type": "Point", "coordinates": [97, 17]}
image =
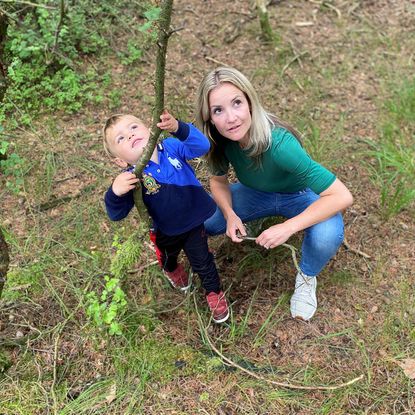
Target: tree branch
{"type": "Point", "coordinates": [164, 34]}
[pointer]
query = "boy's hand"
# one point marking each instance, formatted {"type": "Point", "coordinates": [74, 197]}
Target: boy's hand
{"type": "Point", "coordinates": [168, 122]}
{"type": "Point", "coordinates": [123, 183]}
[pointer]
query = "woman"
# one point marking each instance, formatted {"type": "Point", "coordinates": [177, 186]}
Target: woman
{"type": "Point", "coordinates": [276, 177]}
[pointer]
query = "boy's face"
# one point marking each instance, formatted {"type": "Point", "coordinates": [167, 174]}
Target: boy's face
{"type": "Point", "coordinates": [127, 139]}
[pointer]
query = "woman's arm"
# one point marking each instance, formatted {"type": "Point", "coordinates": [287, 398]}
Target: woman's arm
{"type": "Point", "coordinates": [219, 186]}
{"type": "Point", "coordinates": [332, 200]}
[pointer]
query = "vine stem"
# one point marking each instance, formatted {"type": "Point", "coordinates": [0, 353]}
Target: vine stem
{"type": "Point", "coordinates": [290, 247]}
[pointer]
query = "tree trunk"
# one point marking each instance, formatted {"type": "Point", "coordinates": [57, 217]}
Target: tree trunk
{"type": "Point", "coordinates": [4, 249]}
{"type": "Point", "coordinates": [4, 261]}
{"type": "Point", "coordinates": [3, 32]}
{"type": "Point", "coordinates": [262, 11]}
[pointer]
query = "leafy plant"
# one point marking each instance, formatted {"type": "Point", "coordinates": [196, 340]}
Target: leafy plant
{"type": "Point", "coordinates": [45, 51]}
{"type": "Point", "coordinates": [106, 309]}
{"type": "Point", "coordinates": [11, 167]}
{"type": "Point", "coordinates": [127, 254]}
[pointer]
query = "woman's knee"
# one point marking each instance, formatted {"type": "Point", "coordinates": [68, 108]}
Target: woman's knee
{"type": "Point", "coordinates": [326, 237]}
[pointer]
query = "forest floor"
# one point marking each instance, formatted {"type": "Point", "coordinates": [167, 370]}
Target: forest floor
{"type": "Point", "coordinates": [335, 65]}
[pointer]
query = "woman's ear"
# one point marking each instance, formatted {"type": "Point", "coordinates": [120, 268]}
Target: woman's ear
{"type": "Point", "coordinates": [120, 163]}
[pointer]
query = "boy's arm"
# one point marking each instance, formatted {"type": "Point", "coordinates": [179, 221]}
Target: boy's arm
{"type": "Point", "coordinates": [119, 198]}
{"type": "Point", "coordinates": [195, 144]}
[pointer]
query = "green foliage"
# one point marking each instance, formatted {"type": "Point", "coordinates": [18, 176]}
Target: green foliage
{"type": "Point", "coordinates": [45, 53]}
{"type": "Point", "coordinates": [10, 166]}
{"type": "Point", "coordinates": [128, 253]}
{"type": "Point", "coordinates": [152, 15]}
{"type": "Point", "coordinates": [23, 279]}
{"type": "Point", "coordinates": [105, 310]}
{"type": "Point", "coordinates": [132, 54]}
{"type": "Point", "coordinates": [394, 170]}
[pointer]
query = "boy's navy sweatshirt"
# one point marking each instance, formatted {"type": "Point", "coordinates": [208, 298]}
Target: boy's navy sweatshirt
{"type": "Point", "coordinates": [174, 197]}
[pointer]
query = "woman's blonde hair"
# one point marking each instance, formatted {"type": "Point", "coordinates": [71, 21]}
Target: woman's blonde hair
{"type": "Point", "coordinates": [262, 121]}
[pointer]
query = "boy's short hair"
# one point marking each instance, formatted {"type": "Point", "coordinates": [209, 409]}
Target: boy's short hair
{"type": "Point", "coordinates": [111, 121]}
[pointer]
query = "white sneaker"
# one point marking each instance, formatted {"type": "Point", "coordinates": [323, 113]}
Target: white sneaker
{"type": "Point", "coordinates": [304, 300]}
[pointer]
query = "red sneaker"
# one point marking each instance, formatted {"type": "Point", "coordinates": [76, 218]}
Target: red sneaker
{"type": "Point", "coordinates": [158, 252]}
{"type": "Point", "coordinates": [218, 306]}
{"type": "Point", "coordinates": [178, 278]}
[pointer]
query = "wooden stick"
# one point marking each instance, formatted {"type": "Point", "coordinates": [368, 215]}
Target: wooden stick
{"type": "Point", "coordinates": [356, 251]}
{"type": "Point", "coordinates": [261, 378]}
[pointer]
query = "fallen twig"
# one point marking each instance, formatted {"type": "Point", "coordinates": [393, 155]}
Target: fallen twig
{"type": "Point", "coordinates": [55, 359]}
{"type": "Point", "coordinates": [208, 58]}
{"type": "Point", "coordinates": [356, 251]}
{"type": "Point", "coordinates": [261, 378]}
{"type": "Point", "coordinates": [295, 58]}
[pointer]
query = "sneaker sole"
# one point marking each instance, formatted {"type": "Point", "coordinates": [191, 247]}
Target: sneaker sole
{"type": "Point", "coordinates": [300, 318]}
{"type": "Point", "coordinates": [175, 286]}
{"type": "Point", "coordinates": [221, 320]}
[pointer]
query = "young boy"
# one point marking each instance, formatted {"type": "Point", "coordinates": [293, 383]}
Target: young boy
{"type": "Point", "coordinates": [175, 199]}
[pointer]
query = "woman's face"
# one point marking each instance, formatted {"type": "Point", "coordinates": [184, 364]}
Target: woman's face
{"type": "Point", "coordinates": [230, 112]}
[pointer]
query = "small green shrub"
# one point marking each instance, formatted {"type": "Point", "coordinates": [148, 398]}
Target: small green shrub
{"type": "Point", "coordinates": [11, 167]}
{"type": "Point", "coordinates": [106, 310]}
{"type": "Point", "coordinates": [45, 53]}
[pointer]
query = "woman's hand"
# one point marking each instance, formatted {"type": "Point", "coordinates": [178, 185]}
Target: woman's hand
{"type": "Point", "coordinates": [234, 226]}
{"type": "Point", "coordinates": [275, 235]}
{"type": "Point", "coordinates": [123, 183]}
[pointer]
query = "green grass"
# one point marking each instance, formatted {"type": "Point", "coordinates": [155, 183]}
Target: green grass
{"type": "Point", "coordinates": [394, 167]}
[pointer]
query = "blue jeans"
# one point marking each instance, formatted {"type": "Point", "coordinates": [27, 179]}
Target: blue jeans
{"type": "Point", "coordinates": [321, 241]}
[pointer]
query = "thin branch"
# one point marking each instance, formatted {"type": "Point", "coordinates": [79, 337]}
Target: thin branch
{"type": "Point", "coordinates": [28, 3]}
{"type": "Point", "coordinates": [162, 40]}
{"type": "Point", "coordinates": [261, 378]}
{"type": "Point", "coordinates": [55, 359]}
{"type": "Point", "coordinates": [208, 58]}
{"type": "Point", "coordinates": [356, 251]}
{"type": "Point", "coordinates": [60, 23]}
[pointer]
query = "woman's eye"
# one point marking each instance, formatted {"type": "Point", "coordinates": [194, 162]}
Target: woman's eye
{"type": "Point", "coordinates": [119, 139]}
{"type": "Point", "coordinates": [133, 127]}
{"type": "Point", "coordinates": [216, 111]}
{"type": "Point", "coordinates": [237, 102]}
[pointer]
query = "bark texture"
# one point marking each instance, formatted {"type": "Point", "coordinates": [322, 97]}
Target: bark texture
{"type": "Point", "coordinates": [4, 260]}
{"type": "Point", "coordinates": [164, 34]}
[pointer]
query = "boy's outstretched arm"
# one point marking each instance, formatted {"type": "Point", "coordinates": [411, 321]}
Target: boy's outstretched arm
{"type": "Point", "coordinates": [168, 122]}
{"type": "Point", "coordinates": [195, 144]}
